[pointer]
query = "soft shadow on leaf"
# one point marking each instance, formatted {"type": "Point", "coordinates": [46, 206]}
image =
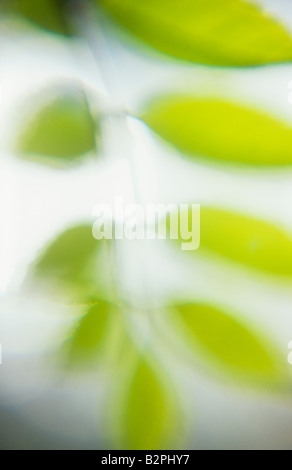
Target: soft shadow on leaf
{"type": "Point", "coordinates": [147, 414]}
{"type": "Point", "coordinates": [60, 132]}
{"type": "Point", "coordinates": [255, 243]}
{"type": "Point", "coordinates": [88, 336]}
{"type": "Point", "coordinates": [230, 345]}
{"type": "Point", "coordinates": [220, 130]}
{"type": "Point", "coordinates": [49, 15]}
{"type": "Point", "coordinates": [70, 267]}
{"type": "Point", "coordinates": [224, 33]}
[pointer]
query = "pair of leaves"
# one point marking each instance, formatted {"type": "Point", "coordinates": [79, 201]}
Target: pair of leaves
{"type": "Point", "coordinates": [220, 130]}
{"type": "Point", "coordinates": [64, 130]}
{"type": "Point", "coordinates": [46, 14]}
{"type": "Point", "coordinates": [228, 343]}
{"type": "Point", "coordinates": [223, 33]}
{"type": "Point", "coordinates": [61, 131]}
{"type": "Point", "coordinates": [245, 240]}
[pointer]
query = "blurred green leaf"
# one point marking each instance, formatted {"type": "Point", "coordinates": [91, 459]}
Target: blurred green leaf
{"type": "Point", "coordinates": [60, 131]}
{"type": "Point", "coordinates": [229, 343]}
{"type": "Point", "coordinates": [224, 33]}
{"type": "Point", "coordinates": [247, 240]}
{"type": "Point", "coordinates": [147, 418]}
{"type": "Point", "coordinates": [88, 335]}
{"type": "Point", "coordinates": [221, 130]}
{"type": "Point", "coordinates": [46, 14]}
{"type": "Point", "coordinates": [68, 255]}
{"type": "Point", "coordinates": [68, 262]}
{"type": "Point", "coordinates": [75, 267]}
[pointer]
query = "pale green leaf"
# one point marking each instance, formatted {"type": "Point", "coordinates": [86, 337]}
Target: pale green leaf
{"type": "Point", "coordinates": [46, 14]}
{"type": "Point", "coordinates": [224, 33]}
{"type": "Point", "coordinates": [243, 239]}
{"type": "Point", "coordinates": [60, 131]}
{"type": "Point", "coordinates": [147, 416]}
{"type": "Point", "coordinates": [228, 343]}
{"type": "Point", "coordinates": [220, 130]}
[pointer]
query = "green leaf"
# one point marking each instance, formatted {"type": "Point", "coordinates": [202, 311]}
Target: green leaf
{"type": "Point", "coordinates": [60, 131]}
{"type": "Point", "coordinates": [88, 336]}
{"type": "Point", "coordinates": [68, 254]}
{"type": "Point", "coordinates": [229, 343]}
{"type": "Point", "coordinates": [220, 130]}
{"type": "Point", "coordinates": [224, 33]}
{"type": "Point", "coordinates": [68, 263]}
{"type": "Point", "coordinates": [74, 267]}
{"type": "Point", "coordinates": [247, 240]}
{"type": "Point", "coordinates": [147, 413]}
{"type": "Point", "coordinates": [46, 14]}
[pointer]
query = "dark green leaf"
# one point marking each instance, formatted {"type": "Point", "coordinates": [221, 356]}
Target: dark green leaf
{"type": "Point", "coordinates": [220, 130]}
{"type": "Point", "coordinates": [225, 32]}
{"type": "Point", "coordinates": [46, 14]}
{"type": "Point", "coordinates": [60, 131]}
{"type": "Point", "coordinates": [229, 343]}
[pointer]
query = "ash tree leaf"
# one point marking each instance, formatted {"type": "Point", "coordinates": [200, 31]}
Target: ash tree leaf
{"type": "Point", "coordinates": [88, 336]}
{"type": "Point", "coordinates": [221, 33]}
{"type": "Point", "coordinates": [220, 130]}
{"type": "Point", "coordinates": [46, 14]}
{"type": "Point", "coordinates": [146, 416]}
{"type": "Point", "coordinates": [59, 132]}
{"type": "Point", "coordinates": [230, 344]}
{"type": "Point", "coordinates": [243, 239]}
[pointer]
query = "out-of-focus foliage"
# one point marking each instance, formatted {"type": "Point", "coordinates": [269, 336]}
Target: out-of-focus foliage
{"type": "Point", "coordinates": [62, 130]}
{"type": "Point", "coordinates": [228, 343]}
{"type": "Point", "coordinates": [225, 32]}
{"type": "Point", "coordinates": [220, 130]}
{"type": "Point", "coordinates": [59, 132]}
{"type": "Point", "coordinates": [47, 14]}
{"type": "Point", "coordinates": [147, 417]}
